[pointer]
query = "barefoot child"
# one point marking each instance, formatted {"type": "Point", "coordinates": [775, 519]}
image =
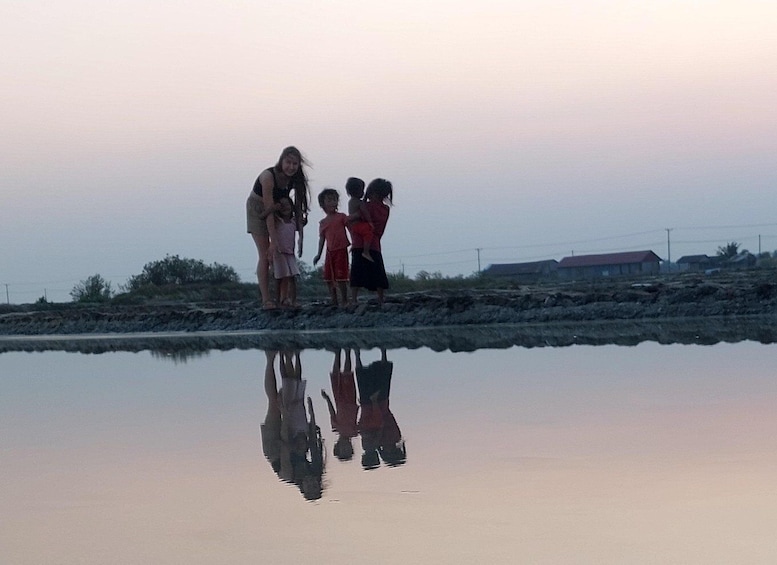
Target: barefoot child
{"type": "Point", "coordinates": [285, 267]}
{"type": "Point", "coordinates": [359, 221]}
{"type": "Point", "coordinates": [331, 231]}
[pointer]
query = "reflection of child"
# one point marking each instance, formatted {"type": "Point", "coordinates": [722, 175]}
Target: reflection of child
{"type": "Point", "coordinates": [359, 221]}
{"type": "Point", "coordinates": [298, 435]}
{"type": "Point", "coordinates": [380, 433]}
{"type": "Point", "coordinates": [343, 410]}
{"type": "Point", "coordinates": [332, 232]}
{"type": "Point", "coordinates": [284, 263]}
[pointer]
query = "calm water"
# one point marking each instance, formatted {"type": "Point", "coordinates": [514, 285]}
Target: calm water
{"type": "Point", "coordinates": [647, 454]}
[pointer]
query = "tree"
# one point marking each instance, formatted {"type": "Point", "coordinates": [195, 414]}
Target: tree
{"type": "Point", "coordinates": [731, 249]}
{"type": "Point", "coordinates": [174, 270]}
{"type": "Point", "coordinates": [92, 289]}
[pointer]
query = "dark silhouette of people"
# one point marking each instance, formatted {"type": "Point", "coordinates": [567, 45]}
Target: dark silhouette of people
{"type": "Point", "coordinates": [343, 410]}
{"type": "Point", "coordinates": [380, 434]}
{"type": "Point", "coordinates": [291, 440]}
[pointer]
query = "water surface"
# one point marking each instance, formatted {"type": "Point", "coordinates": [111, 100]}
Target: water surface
{"type": "Point", "coordinates": [646, 454]}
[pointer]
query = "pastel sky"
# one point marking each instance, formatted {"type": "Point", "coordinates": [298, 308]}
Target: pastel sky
{"type": "Point", "coordinates": [526, 129]}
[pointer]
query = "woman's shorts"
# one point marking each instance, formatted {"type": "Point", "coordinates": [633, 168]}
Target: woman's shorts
{"type": "Point", "coordinates": [254, 208]}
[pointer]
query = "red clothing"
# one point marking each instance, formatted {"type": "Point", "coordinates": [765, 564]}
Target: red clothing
{"type": "Point", "coordinates": [379, 212]}
{"type": "Point", "coordinates": [332, 229]}
{"type": "Point", "coordinates": [361, 230]}
{"type": "Point", "coordinates": [336, 265]}
{"type": "Point", "coordinates": [346, 409]}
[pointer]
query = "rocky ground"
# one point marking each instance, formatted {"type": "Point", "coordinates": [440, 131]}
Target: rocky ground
{"type": "Point", "coordinates": [687, 309]}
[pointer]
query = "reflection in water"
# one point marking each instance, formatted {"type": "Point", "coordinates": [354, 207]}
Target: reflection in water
{"type": "Point", "coordinates": [343, 411]}
{"type": "Point", "coordinates": [291, 440]}
{"type": "Point", "coordinates": [178, 355]}
{"type": "Point", "coordinates": [380, 434]}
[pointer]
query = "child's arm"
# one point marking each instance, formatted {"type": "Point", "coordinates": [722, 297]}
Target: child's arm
{"type": "Point", "coordinates": [321, 241]}
{"type": "Point", "coordinates": [329, 404]}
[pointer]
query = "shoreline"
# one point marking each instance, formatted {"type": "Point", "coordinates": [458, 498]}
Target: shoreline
{"type": "Point", "coordinates": [693, 331]}
{"type": "Point", "coordinates": [681, 309]}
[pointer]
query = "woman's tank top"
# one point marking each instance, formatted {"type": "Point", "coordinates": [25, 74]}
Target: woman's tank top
{"type": "Point", "coordinates": [278, 192]}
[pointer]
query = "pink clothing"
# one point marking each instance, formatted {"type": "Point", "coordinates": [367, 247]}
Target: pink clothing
{"type": "Point", "coordinates": [332, 229]}
{"type": "Point", "coordinates": [284, 264]}
{"type": "Point", "coordinates": [379, 212]}
{"type": "Point", "coordinates": [284, 235]}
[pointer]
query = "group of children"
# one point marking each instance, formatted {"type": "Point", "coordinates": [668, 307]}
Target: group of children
{"type": "Point", "coordinates": [333, 234]}
{"type": "Point", "coordinates": [371, 418]}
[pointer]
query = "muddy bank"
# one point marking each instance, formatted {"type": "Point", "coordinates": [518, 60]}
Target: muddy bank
{"type": "Point", "coordinates": [690, 309]}
{"type": "Point", "coordinates": [700, 331]}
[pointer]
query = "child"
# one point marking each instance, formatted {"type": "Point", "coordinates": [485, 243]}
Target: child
{"type": "Point", "coordinates": [331, 231]}
{"type": "Point", "coordinates": [285, 267]}
{"type": "Point", "coordinates": [366, 274]}
{"type": "Point", "coordinates": [359, 221]}
{"type": "Point", "coordinates": [343, 410]}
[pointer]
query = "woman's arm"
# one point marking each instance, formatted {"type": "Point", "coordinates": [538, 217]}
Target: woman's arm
{"type": "Point", "coordinates": [266, 179]}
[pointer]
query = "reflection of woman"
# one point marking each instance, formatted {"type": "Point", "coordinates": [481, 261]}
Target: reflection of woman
{"type": "Point", "coordinates": [287, 433]}
{"type": "Point", "coordinates": [380, 433]}
{"type": "Point", "coordinates": [286, 176]}
{"type": "Point", "coordinates": [343, 411]}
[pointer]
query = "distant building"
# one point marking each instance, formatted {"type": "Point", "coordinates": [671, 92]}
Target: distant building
{"type": "Point", "coordinates": [695, 263]}
{"type": "Point", "coordinates": [609, 265]}
{"type": "Point", "coordinates": [523, 272]}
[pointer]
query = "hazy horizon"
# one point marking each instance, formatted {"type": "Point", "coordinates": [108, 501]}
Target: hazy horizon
{"type": "Point", "coordinates": [525, 130]}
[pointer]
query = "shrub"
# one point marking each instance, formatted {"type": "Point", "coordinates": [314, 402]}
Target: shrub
{"type": "Point", "coordinates": [92, 289]}
{"type": "Point", "coordinates": [174, 270]}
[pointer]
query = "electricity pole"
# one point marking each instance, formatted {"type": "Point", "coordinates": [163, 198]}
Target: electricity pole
{"type": "Point", "coordinates": [668, 250]}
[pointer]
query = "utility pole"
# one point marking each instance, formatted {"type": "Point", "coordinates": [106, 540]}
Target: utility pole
{"type": "Point", "coordinates": [668, 250]}
{"type": "Point", "coordinates": [478, 250]}
{"type": "Point", "coordinates": [7, 297]}
{"type": "Point", "coordinates": [759, 244]}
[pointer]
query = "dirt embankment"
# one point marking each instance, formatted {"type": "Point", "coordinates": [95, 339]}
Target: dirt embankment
{"type": "Point", "coordinates": [732, 307]}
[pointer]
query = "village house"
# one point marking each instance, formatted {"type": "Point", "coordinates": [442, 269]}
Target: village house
{"type": "Point", "coordinates": [523, 272]}
{"type": "Point", "coordinates": [695, 263]}
{"type": "Point", "coordinates": [609, 265]}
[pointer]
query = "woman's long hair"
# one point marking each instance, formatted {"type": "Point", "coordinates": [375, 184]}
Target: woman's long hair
{"type": "Point", "coordinates": [299, 181]}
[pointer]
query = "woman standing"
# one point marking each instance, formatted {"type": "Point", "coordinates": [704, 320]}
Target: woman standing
{"type": "Point", "coordinates": [287, 176]}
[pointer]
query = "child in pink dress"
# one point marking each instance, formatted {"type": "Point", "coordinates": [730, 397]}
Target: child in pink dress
{"type": "Point", "coordinates": [285, 269]}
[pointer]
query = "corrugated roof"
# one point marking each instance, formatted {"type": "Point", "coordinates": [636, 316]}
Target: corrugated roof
{"type": "Point", "coordinates": [508, 269]}
{"type": "Point", "coordinates": [624, 258]}
{"type": "Point", "coordinates": [694, 259]}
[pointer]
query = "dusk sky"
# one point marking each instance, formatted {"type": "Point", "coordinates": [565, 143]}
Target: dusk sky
{"type": "Point", "coordinates": [526, 129]}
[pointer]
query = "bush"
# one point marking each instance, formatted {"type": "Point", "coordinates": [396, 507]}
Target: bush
{"type": "Point", "coordinates": [174, 270]}
{"type": "Point", "coordinates": [92, 289]}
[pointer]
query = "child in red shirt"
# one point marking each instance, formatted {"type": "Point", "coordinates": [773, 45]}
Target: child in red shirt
{"type": "Point", "coordinates": [359, 221]}
{"type": "Point", "coordinates": [331, 230]}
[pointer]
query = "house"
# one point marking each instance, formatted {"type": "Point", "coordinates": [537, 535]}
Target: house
{"type": "Point", "coordinates": [695, 263]}
{"type": "Point", "coordinates": [523, 272]}
{"type": "Point", "coordinates": [609, 265]}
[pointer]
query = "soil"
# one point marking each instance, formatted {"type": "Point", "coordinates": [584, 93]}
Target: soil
{"type": "Point", "coordinates": [691, 308]}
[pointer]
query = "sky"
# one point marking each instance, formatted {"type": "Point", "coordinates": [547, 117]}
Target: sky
{"type": "Point", "coordinates": [512, 130]}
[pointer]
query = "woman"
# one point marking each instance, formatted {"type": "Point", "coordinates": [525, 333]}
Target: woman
{"type": "Point", "coordinates": [274, 183]}
{"type": "Point", "coordinates": [372, 274]}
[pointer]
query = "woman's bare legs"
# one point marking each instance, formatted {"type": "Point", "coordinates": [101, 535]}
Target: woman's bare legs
{"type": "Point", "coordinates": [262, 243]}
